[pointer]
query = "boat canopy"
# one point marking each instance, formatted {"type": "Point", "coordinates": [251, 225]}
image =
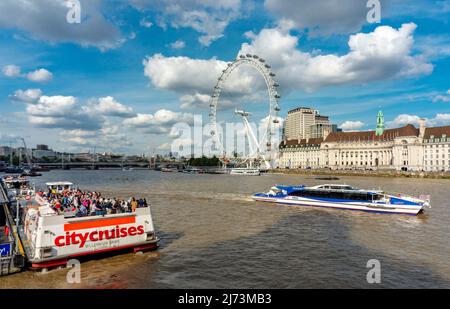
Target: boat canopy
{"type": "Point", "coordinates": [59, 186]}
{"type": "Point", "coordinates": [59, 183]}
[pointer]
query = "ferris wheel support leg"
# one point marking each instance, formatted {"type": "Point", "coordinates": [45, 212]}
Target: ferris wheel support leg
{"type": "Point", "coordinates": [247, 134]}
{"type": "Point", "coordinates": [252, 135]}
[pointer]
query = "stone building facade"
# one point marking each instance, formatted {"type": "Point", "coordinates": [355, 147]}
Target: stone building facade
{"type": "Point", "coordinates": [436, 149]}
{"type": "Point", "coordinates": [407, 148]}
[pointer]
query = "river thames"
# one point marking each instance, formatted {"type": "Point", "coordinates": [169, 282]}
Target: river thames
{"type": "Point", "coordinates": [214, 236]}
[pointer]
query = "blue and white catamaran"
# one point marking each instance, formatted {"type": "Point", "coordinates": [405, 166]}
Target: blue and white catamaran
{"type": "Point", "coordinates": [344, 197]}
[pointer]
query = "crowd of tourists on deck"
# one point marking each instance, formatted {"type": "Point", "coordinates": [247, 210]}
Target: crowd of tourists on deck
{"type": "Point", "coordinates": [85, 203]}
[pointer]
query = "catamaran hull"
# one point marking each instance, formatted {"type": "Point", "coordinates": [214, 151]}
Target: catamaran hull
{"type": "Point", "coordinates": [389, 209]}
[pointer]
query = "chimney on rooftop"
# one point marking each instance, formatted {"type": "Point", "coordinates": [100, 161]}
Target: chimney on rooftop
{"type": "Point", "coordinates": [326, 131]}
{"type": "Point", "coordinates": [421, 127]}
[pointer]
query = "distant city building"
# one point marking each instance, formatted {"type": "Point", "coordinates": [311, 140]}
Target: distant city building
{"type": "Point", "coordinates": [304, 153]}
{"type": "Point", "coordinates": [6, 151]}
{"type": "Point", "coordinates": [83, 156]}
{"type": "Point", "coordinates": [42, 147]}
{"type": "Point", "coordinates": [319, 130]}
{"type": "Point", "coordinates": [407, 148]}
{"type": "Point", "coordinates": [304, 122]}
{"type": "Point", "coordinates": [42, 151]}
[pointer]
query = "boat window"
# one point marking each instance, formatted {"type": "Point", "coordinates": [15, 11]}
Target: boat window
{"type": "Point", "coordinates": [377, 197]}
{"type": "Point", "coordinates": [338, 195]}
{"type": "Point", "coordinates": [341, 187]}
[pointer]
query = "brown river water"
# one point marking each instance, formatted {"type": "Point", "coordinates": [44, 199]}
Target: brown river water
{"type": "Point", "coordinates": [214, 236]}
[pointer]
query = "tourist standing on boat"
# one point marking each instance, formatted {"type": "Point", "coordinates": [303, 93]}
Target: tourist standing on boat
{"type": "Point", "coordinates": [134, 204]}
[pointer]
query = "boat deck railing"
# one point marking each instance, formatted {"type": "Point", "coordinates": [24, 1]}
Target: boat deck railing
{"type": "Point", "coordinates": [12, 258]}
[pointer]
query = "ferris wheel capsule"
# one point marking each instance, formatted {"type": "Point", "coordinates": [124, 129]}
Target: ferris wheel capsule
{"type": "Point", "coordinates": [272, 74]}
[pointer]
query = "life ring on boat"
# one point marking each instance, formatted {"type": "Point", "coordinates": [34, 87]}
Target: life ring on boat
{"type": "Point", "coordinates": [28, 197]}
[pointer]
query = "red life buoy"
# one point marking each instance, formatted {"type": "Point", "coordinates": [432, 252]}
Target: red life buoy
{"type": "Point", "coordinates": [27, 197]}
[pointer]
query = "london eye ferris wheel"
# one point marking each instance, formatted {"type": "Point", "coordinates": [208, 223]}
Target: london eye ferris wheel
{"type": "Point", "coordinates": [262, 150]}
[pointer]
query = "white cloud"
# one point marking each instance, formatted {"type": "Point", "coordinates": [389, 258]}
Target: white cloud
{"type": "Point", "coordinates": [440, 120]}
{"type": "Point", "coordinates": [382, 54]}
{"type": "Point", "coordinates": [323, 17]}
{"type": "Point", "coordinates": [182, 74]}
{"type": "Point", "coordinates": [178, 44]}
{"type": "Point", "coordinates": [208, 17]}
{"type": "Point", "coordinates": [79, 141]}
{"type": "Point", "coordinates": [108, 106]}
{"type": "Point", "coordinates": [385, 53]}
{"type": "Point", "coordinates": [351, 125]}
{"type": "Point", "coordinates": [27, 96]}
{"type": "Point", "coordinates": [159, 122]}
{"type": "Point", "coordinates": [404, 119]}
{"type": "Point", "coordinates": [40, 76]}
{"type": "Point", "coordinates": [195, 79]}
{"type": "Point", "coordinates": [193, 101]}
{"type": "Point", "coordinates": [442, 98]}
{"type": "Point", "coordinates": [145, 23]}
{"type": "Point", "coordinates": [64, 112]}
{"type": "Point", "coordinates": [55, 106]}
{"type": "Point", "coordinates": [83, 125]}
{"type": "Point", "coordinates": [46, 20]}
{"type": "Point", "coordinates": [79, 133]}
{"type": "Point", "coordinates": [164, 146]}
{"type": "Point", "coordinates": [11, 70]}
{"type": "Point", "coordinates": [108, 137]}
{"type": "Point", "coordinates": [60, 112]}
{"type": "Point", "coordinates": [434, 46]}
{"type": "Point", "coordinates": [201, 102]}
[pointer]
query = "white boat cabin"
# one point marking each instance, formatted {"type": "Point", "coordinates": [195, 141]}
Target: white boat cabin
{"type": "Point", "coordinates": [59, 186]}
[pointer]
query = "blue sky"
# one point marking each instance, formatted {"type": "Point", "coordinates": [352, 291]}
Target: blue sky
{"type": "Point", "coordinates": [133, 68]}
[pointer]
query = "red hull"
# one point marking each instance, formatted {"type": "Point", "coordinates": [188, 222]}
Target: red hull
{"type": "Point", "coordinates": [63, 261]}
